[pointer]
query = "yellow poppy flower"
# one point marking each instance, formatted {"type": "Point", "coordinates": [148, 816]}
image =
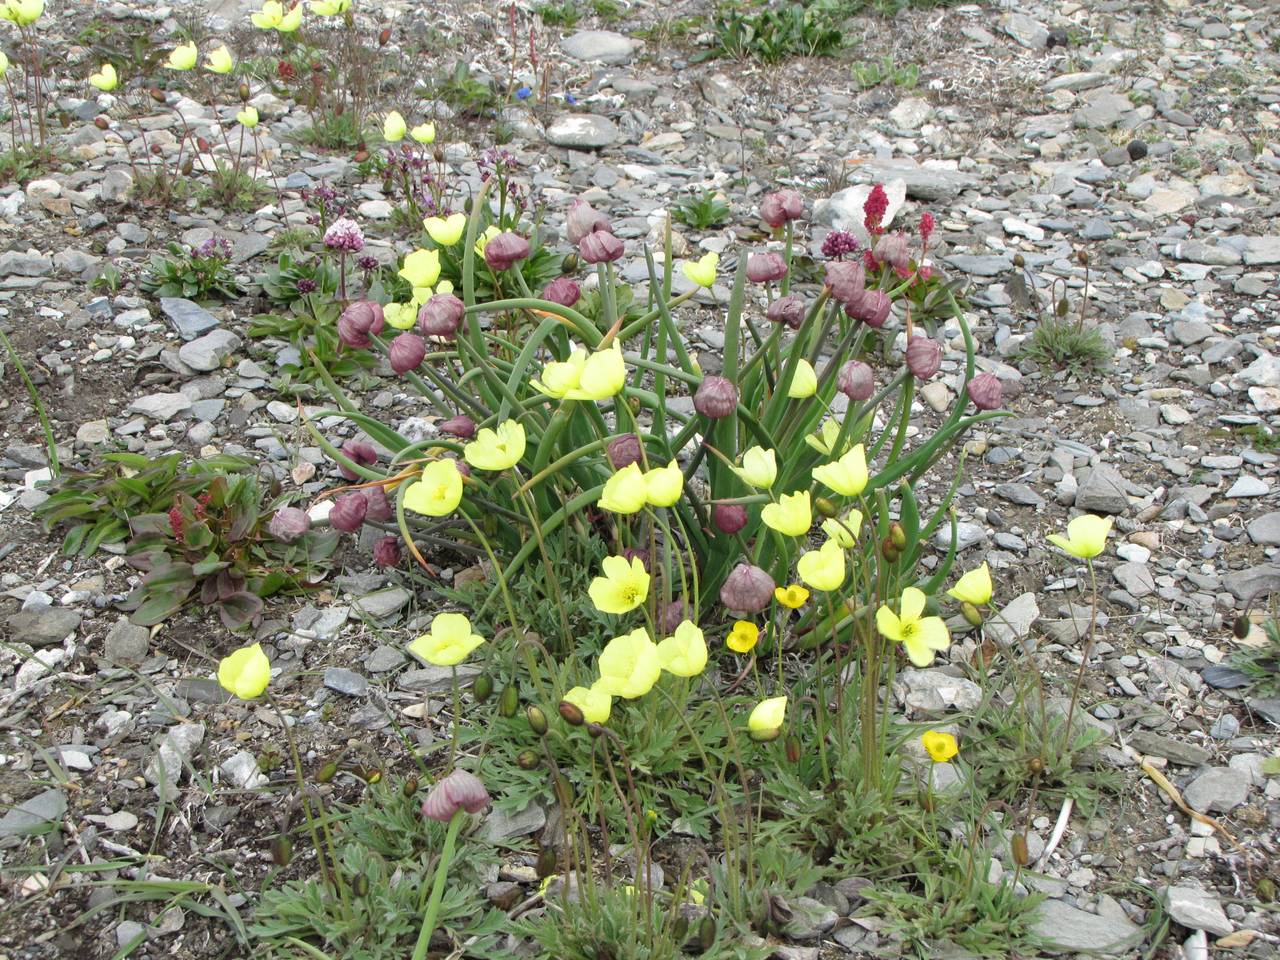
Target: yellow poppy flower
{"type": "Point", "coordinates": [584, 376]}
{"type": "Point", "coordinates": [804, 383]}
{"type": "Point", "coordinates": [105, 79]}
{"type": "Point", "coordinates": [393, 127]}
{"type": "Point", "coordinates": [498, 449]}
{"type": "Point", "coordinates": [450, 641]}
{"type": "Point", "coordinates": [822, 569]}
{"type": "Point", "coordinates": [941, 747]}
{"type": "Point", "coordinates": [421, 268]}
{"type": "Point", "coordinates": [424, 133]}
{"type": "Point", "coordinates": [624, 585]}
{"type": "Point", "coordinates": [330, 8]}
{"type": "Point", "coordinates": [743, 637]}
{"type": "Point", "coordinates": [245, 672]}
{"type": "Point", "coordinates": [23, 12]}
{"type": "Point", "coordinates": [844, 530]}
{"type": "Point", "coordinates": [921, 636]}
{"type": "Point", "coordinates": [684, 653]}
{"type": "Point", "coordinates": [974, 587]}
{"type": "Point", "coordinates": [629, 665]}
{"type": "Point", "coordinates": [593, 701]}
{"type": "Point", "coordinates": [401, 316]}
{"type": "Point", "coordinates": [663, 485]}
{"type": "Point", "coordinates": [446, 231]}
{"type": "Point", "coordinates": [759, 468]}
{"type": "Point", "coordinates": [766, 720]}
{"type": "Point", "coordinates": [702, 271]}
{"type": "Point", "coordinates": [824, 441]}
{"type": "Point", "coordinates": [248, 117]}
{"type": "Point", "coordinates": [791, 515]}
{"type": "Point", "coordinates": [793, 596]}
{"type": "Point", "coordinates": [438, 492]}
{"type": "Point", "coordinates": [625, 491]}
{"type": "Point", "coordinates": [1086, 536]}
{"type": "Point", "coordinates": [182, 57]}
{"type": "Point", "coordinates": [846, 476]}
{"type": "Point", "coordinates": [219, 61]}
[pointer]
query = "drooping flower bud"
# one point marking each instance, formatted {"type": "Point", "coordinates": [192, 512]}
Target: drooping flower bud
{"type": "Point", "coordinates": [460, 426]}
{"type": "Point", "coordinates": [623, 450]}
{"type": "Point", "coordinates": [379, 508]}
{"type": "Point", "coordinates": [671, 615]}
{"type": "Point", "coordinates": [358, 321]}
{"type": "Point", "coordinates": [406, 352]}
{"type": "Point", "coordinates": [825, 507]}
{"type": "Point", "coordinates": [789, 310]}
{"type": "Point", "coordinates": [537, 719]}
{"type": "Point", "coordinates": [780, 206]}
{"type": "Point", "coordinates": [747, 589]}
{"type": "Point", "coordinates": [458, 791]}
{"type": "Point", "coordinates": [892, 249]}
{"type": "Point", "coordinates": [386, 552]}
{"type": "Point", "coordinates": [897, 536]}
{"type": "Point", "coordinates": [571, 713]}
{"type": "Point", "coordinates": [729, 518]}
{"type": "Point", "coordinates": [563, 291]}
{"type": "Point", "coordinates": [504, 250]}
{"type": "Point", "coordinates": [289, 524]}
{"type": "Point", "coordinates": [600, 246]}
{"type": "Point", "coordinates": [509, 700]}
{"type": "Point", "coordinates": [527, 760]}
{"type": "Point", "coordinates": [971, 614]}
{"type": "Point", "coordinates": [348, 512]}
{"type": "Point", "coordinates": [441, 315]}
{"type": "Point", "coordinates": [583, 219]}
{"type": "Point", "coordinates": [793, 749]}
{"type": "Point", "coordinates": [359, 452]}
{"type": "Point", "coordinates": [985, 391]}
{"type": "Point", "coordinates": [924, 357]}
{"type": "Point", "coordinates": [1018, 845]}
{"type": "Point", "coordinates": [766, 267]}
{"type": "Point", "coordinates": [715, 397]}
{"type": "Point", "coordinates": [871, 307]}
{"type": "Point", "coordinates": [856, 380]}
{"type": "Point", "coordinates": [847, 280]}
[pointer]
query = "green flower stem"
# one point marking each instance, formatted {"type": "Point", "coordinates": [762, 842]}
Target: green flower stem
{"type": "Point", "coordinates": [785, 286]}
{"type": "Point", "coordinates": [1088, 648]}
{"type": "Point", "coordinates": [437, 887]}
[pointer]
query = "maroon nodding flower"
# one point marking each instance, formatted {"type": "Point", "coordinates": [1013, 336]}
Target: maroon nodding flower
{"type": "Point", "coordinates": [856, 380]}
{"type": "Point", "coordinates": [458, 791]}
{"type": "Point", "coordinates": [789, 310]}
{"type": "Point", "coordinates": [289, 524]}
{"type": "Point", "coordinates": [729, 518]}
{"type": "Point", "coordinates": [781, 206]}
{"type": "Point", "coordinates": [623, 450]}
{"type": "Point", "coordinates": [924, 357]}
{"type": "Point", "coordinates": [348, 512]}
{"type": "Point", "coordinates": [671, 615]}
{"type": "Point", "coordinates": [892, 249]}
{"type": "Point", "coordinates": [838, 243]}
{"type": "Point", "coordinates": [377, 507]}
{"type": "Point", "coordinates": [583, 219]}
{"type": "Point", "coordinates": [871, 307]}
{"type": "Point", "coordinates": [636, 553]}
{"type": "Point", "coordinates": [460, 426]}
{"type": "Point", "coordinates": [600, 246]}
{"type": "Point", "coordinates": [875, 207]}
{"type": "Point", "coordinates": [747, 589]}
{"type": "Point", "coordinates": [359, 452]}
{"type": "Point", "coordinates": [847, 279]}
{"type": "Point", "coordinates": [766, 267]}
{"type": "Point", "coordinates": [358, 321]}
{"type": "Point", "coordinates": [406, 352]}
{"type": "Point", "coordinates": [504, 250]}
{"type": "Point", "coordinates": [715, 397]}
{"type": "Point", "coordinates": [985, 391]}
{"type": "Point", "coordinates": [441, 315]}
{"type": "Point", "coordinates": [563, 291]}
{"type": "Point", "coordinates": [386, 552]}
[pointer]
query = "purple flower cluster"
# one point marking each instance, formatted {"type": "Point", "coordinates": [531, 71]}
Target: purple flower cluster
{"type": "Point", "coordinates": [344, 234]}
{"type": "Point", "coordinates": [215, 246]}
{"type": "Point", "coordinates": [839, 244]}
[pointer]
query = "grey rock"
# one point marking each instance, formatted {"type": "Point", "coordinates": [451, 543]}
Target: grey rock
{"type": "Point", "coordinates": [1020, 493]}
{"type": "Point", "coordinates": [843, 209]}
{"type": "Point", "coordinates": [1014, 621]}
{"type": "Point", "coordinates": [1253, 583]}
{"type": "Point", "coordinates": [719, 91]}
{"type": "Point", "coordinates": [979, 266]}
{"type": "Point", "coordinates": [189, 318]}
{"type": "Point", "coordinates": [1247, 486]}
{"type": "Point", "coordinates": [43, 626]}
{"type": "Point", "coordinates": [503, 825]}
{"type": "Point", "coordinates": [967, 535]}
{"type": "Point", "coordinates": [32, 814]}
{"type": "Point", "coordinates": [208, 352]}
{"type": "Point", "coordinates": [127, 642]}
{"type": "Point", "coordinates": [1136, 578]}
{"type": "Point", "coordinates": [599, 46]}
{"type": "Point", "coordinates": [1102, 491]}
{"type": "Point", "coordinates": [582, 131]}
{"type": "Point", "coordinates": [1065, 927]}
{"type": "Point", "coordinates": [346, 681]}
{"type": "Point", "coordinates": [938, 184]}
{"type": "Point", "coordinates": [384, 659]}
{"type": "Point", "coordinates": [382, 603]}
{"type": "Point", "coordinates": [161, 406]}
{"type": "Point", "coordinates": [174, 753]}
{"type": "Point", "coordinates": [1219, 789]}
{"type": "Point", "coordinates": [1173, 750]}
{"type": "Point", "coordinates": [1101, 109]}
{"type": "Point", "coordinates": [29, 264]}
{"type": "Point", "coordinates": [1261, 250]}
{"type": "Point", "coordinates": [1263, 372]}
{"type": "Point", "coordinates": [910, 114]}
{"type": "Point", "coordinates": [242, 770]}
{"type": "Point", "coordinates": [115, 186]}
{"type": "Point", "coordinates": [933, 691]}
{"type": "Point", "coordinates": [1200, 251]}
{"type": "Point", "coordinates": [1026, 31]}
{"type": "Point", "coordinates": [810, 919]}
{"type": "Point", "coordinates": [1198, 910]}
{"type": "Point", "coordinates": [1268, 707]}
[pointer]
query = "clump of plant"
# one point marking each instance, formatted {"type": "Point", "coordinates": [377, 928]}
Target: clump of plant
{"type": "Point", "coordinates": [1063, 342]}
{"type": "Point", "coordinates": [773, 33]}
{"type": "Point", "coordinates": [200, 274]}
{"type": "Point", "coordinates": [872, 73]}
{"type": "Point", "coordinates": [28, 150]}
{"type": "Point", "coordinates": [707, 209]}
{"type": "Point", "coordinates": [230, 547]}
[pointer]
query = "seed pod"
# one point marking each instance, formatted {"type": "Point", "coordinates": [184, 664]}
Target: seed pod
{"type": "Point", "coordinates": [680, 930]}
{"type": "Point", "coordinates": [243, 90]}
{"type": "Point", "coordinates": [281, 850]}
{"type": "Point", "coordinates": [360, 886]}
{"type": "Point", "coordinates": [1062, 307]}
{"type": "Point", "coordinates": [1019, 261]}
{"type": "Point", "coordinates": [527, 760]}
{"type": "Point", "coordinates": [547, 862]}
{"type": "Point", "coordinates": [898, 536]}
{"type": "Point", "coordinates": [437, 155]}
{"type": "Point", "coordinates": [187, 167]}
{"type": "Point", "coordinates": [1265, 889]}
{"type": "Point", "coordinates": [327, 772]}
{"type": "Point", "coordinates": [595, 730]}
{"type": "Point", "coordinates": [102, 123]}
{"type": "Point", "coordinates": [1240, 629]}
{"type": "Point", "coordinates": [1036, 766]}
{"type": "Point", "coordinates": [825, 507]}
{"type": "Point", "coordinates": [888, 551]}
{"type": "Point", "coordinates": [1018, 846]}
{"type": "Point", "coordinates": [409, 787]}
{"type": "Point", "coordinates": [971, 614]}
{"type": "Point", "coordinates": [361, 156]}
{"type": "Point", "coordinates": [203, 144]}
{"type": "Point", "coordinates": [482, 689]}
{"type": "Point", "coordinates": [793, 749]}
{"type": "Point", "coordinates": [571, 713]}
{"type": "Point", "coordinates": [156, 94]}
{"type": "Point", "coordinates": [707, 933]}
{"type": "Point", "coordinates": [509, 701]}
{"type": "Point", "coordinates": [155, 150]}
{"type": "Point", "coordinates": [537, 719]}
{"type": "Point", "coordinates": [384, 37]}
{"type": "Point", "coordinates": [1083, 256]}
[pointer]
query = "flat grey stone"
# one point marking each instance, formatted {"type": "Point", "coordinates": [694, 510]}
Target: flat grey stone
{"type": "Point", "coordinates": [127, 642]}
{"type": "Point", "coordinates": [34, 813]}
{"type": "Point", "coordinates": [1220, 789]}
{"type": "Point", "coordinates": [1014, 621]}
{"type": "Point", "coordinates": [810, 919]}
{"type": "Point", "coordinates": [1187, 754]}
{"type": "Point", "coordinates": [189, 318]}
{"type": "Point", "coordinates": [1020, 493]}
{"type": "Point", "coordinates": [1026, 31]}
{"type": "Point", "coordinates": [1103, 491]}
{"type": "Point", "coordinates": [1136, 579]}
{"type": "Point", "coordinates": [979, 266]}
{"type": "Point", "coordinates": [1261, 250]}
{"type": "Point", "coordinates": [938, 184]}
{"type": "Point", "coordinates": [242, 770]}
{"type": "Point", "coordinates": [43, 626]}
{"type": "Point", "coordinates": [174, 752]}
{"type": "Point", "coordinates": [208, 352]}
{"type": "Point", "coordinates": [599, 46]}
{"type": "Point", "coordinates": [1068, 928]}
{"type": "Point", "coordinates": [384, 659]}
{"type": "Point", "coordinates": [501, 825]}
{"type": "Point", "coordinates": [161, 406]}
{"type": "Point", "coordinates": [1253, 583]}
{"type": "Point", "coordinates": [1201, 251]}
{"type": "Point", "coordinates": [346, 681]}
{"type": "Point", "coordinates": [382, 603]}
{"type": "Point", "coordinates": [933, 691]}
{"type": "Point", "coordinates": [582, 131]}
{"type": "Point", "coordinates": [843, 209]}
{"type": "Point", "coordinates": [1197, 910]}
{"type": "Point", "coordinates": [29, 264]}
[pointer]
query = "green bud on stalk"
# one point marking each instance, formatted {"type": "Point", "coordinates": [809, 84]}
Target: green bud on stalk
{"type": "Point", "coordinates": [537, 719]}
{"type": "Point", "coordinates": [509, 701]}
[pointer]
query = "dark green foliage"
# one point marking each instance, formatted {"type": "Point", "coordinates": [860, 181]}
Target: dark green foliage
{"type": "Point", "coordinates": [189, 275]}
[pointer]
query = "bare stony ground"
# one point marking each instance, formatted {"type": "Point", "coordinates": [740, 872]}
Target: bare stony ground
{"type": "Point", "coordinates": [1123, 154]}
